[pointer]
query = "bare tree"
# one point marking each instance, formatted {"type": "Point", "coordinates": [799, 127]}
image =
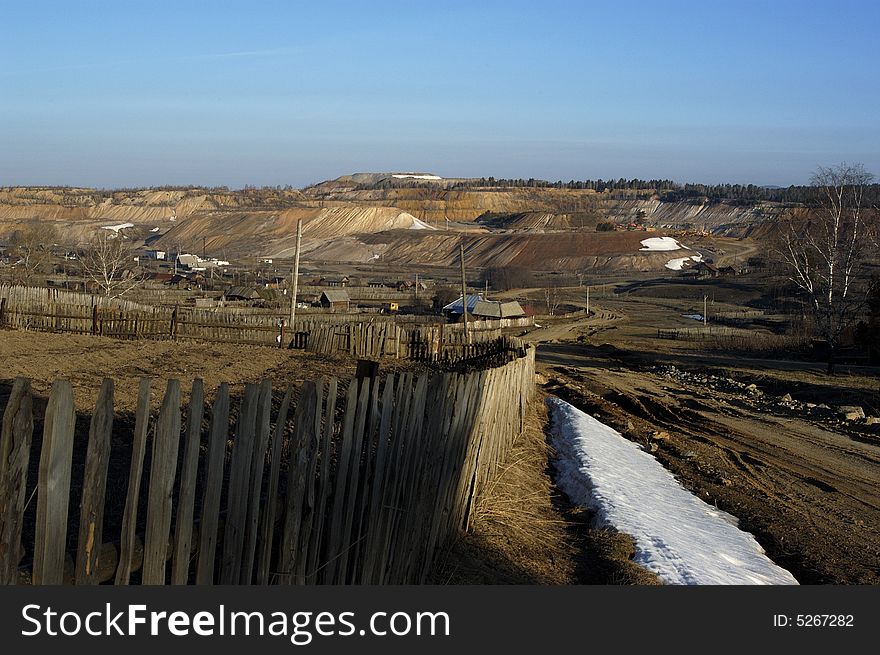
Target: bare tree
{"type": "Point", "coordinates": [552, 297]}
{"type": "Point", "coordinates": [823, 246]}
{"type": "Point", "coordinates": [109, 264]}
{"type": "Point", "coordinates": [32, 245]}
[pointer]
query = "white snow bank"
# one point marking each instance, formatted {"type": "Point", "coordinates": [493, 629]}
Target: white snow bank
{"type": "Point", "coordinates": [680, 263]}
{"type": "Point", "coordinates": [420, 225]}
{"type": "Point", "coordinates": [416, 176]}
{"type": "Point", "coordinates": [116, 228]}
{"type": "Point", "coordinates": [155, 229]}
{"type": "Point", "coordinates": [662, 243]}
{"type": "Point", "coordinates": [677, 536]}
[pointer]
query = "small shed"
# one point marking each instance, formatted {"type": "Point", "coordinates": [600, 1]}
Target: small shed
{"type": "Point", "coordinates": [335, 299]}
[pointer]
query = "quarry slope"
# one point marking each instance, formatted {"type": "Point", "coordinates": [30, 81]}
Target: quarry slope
{"type": "Point", "coordinates": [273, 233]}
{"type": "Point", "coordinates": [552, 251]}
{"type": "Point", "coordinates": [360, 218]}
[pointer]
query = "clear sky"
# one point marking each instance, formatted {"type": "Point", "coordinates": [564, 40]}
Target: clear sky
{"type": "Point", "coordinates": [131, 93]}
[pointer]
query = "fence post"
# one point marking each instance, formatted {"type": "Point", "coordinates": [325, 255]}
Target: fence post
{"type": "Point", "coordinates": [2, 312]}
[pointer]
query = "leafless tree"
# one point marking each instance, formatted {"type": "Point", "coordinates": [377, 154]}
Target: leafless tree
{"type": "Point", "coordinates": [109, 264]}
{"type": "Point", "coordinates": [824, 245]}
{"type": "Point", "coordinates": [551, 295]}
{"type": "Point", "coordinates": [32, 245]}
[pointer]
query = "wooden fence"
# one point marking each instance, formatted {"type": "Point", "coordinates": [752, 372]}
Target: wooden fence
{"type": "Point", "coordinates": [700, 333]}
{"type": "Point", "coordinates": [55, 310]}
{"type": "Point", "coordinates": [335, 482]}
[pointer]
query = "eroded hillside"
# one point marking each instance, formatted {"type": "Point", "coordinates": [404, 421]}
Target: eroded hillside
{"type": "Point", "coordinates": [407, 219]}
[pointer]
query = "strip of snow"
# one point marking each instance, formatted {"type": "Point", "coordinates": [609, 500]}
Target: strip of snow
{"type": "Point", "coordinates": [420, 225]}
{"type": "Point", "coordinates": [696, 317]}
{"type": "Point", "coordinates": [414, 176]}
{"type": "Point", "coordinates": [677, 536]}
{"type": "Point", "coordinates": [155, 229]}
{"type": "Point", "coordinates": [116, 228]}
{"type": "Point", "coordinates": [658, 244]}
{"type": "Point", "coordinates": [680, 263]}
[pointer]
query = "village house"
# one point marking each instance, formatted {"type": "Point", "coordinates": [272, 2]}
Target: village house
{"type": "Point", "coordinates": [483, 309]}
{"type": "Point", "coordinates": [334, 299]}
{"type": "Point", "coordinates": [333, 281]}
{"type": "Point", "coordinates": [241, 293]}
{"type": "Point", "coordinates": [406, 286]}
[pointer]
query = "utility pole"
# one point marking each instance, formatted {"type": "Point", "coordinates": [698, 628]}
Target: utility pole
{"type": "Point", "coordinates": [588, 301]}
{"type": "Point", "coordinates": [464, 312]}
{"type": "Point", "coordinates": [705, 309]}
{"type": "Point", "coordinates": [294, 275]}
{"type": "Point", "coordinates": [205, 248]}
{"type": "Point", "coordinates": [417, 288]}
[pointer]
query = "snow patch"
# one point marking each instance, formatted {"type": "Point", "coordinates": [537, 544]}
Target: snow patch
{"type": "Point", "coordinates": [677, 536]}
{"type": "Point", "coordinates": [420, 225]}
{"type": "Point", "coordinates": [658, 244]}
{"type": "Point", "coordinates": [416, 176]}
{"type": "Point", "coordinates": [155, 229]}
{"type": "Point", "coordinates": [681, 262]}
{"type": "Point", "coordinates": [116, 228]}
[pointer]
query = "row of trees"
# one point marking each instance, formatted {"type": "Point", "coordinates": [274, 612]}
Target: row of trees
{"type": "Point", "coordinates": [667, 190]}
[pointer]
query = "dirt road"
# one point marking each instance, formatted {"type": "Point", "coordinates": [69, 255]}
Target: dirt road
{"type": "Point", "coordinates": [808, 488]}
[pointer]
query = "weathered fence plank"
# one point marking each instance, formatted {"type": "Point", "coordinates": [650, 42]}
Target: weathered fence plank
{"type": "Point", "coordinates": [210, 516]}
{"type": "Point", "coordinates": [309, 497]}
{"type": "Point", "coordinates": [239, 479]}
{"type": "Point", "coordinates": [317, 540]}
{"type": "Point", "coordinates": [188, 478]}
{"type": "Point", "coordinates": [258, 466]}
{"type": "Point", "coordinates": [91, 520]}
{"type": "Point", "coordinates": [163, 468]}
{"type": "Point", "coordinates": [267, 529]}
{"type": "Point", "coordinates": [136, 467]}
{"type": "Point", "coordinates": [301, 455]}
{"type": "Point", "coordinates": [53, 486]}
{"type": "Point", "coordinates": [15, 449]}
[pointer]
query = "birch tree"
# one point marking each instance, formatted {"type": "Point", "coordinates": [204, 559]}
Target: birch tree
{"type": "Point", "coordinates": [109, 264]}
{"type": "Point", "coordinates": [824, 247]}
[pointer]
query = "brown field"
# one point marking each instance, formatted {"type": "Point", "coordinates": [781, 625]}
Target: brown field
{"type": "Point", "coordinates": [86, 361]}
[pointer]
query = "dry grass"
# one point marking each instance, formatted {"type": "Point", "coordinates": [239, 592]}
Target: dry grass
{"type": "Point", "coordinates": [516, 535]}
{"type": "Point", "coordinates": [523, 531]}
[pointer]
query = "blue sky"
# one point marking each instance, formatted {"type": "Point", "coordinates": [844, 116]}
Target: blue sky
{"type": "Point", "coordinates": [133, 93]}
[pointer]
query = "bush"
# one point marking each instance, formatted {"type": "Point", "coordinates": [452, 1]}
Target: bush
{"type": "Point", "coordinates": [605, 226]}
